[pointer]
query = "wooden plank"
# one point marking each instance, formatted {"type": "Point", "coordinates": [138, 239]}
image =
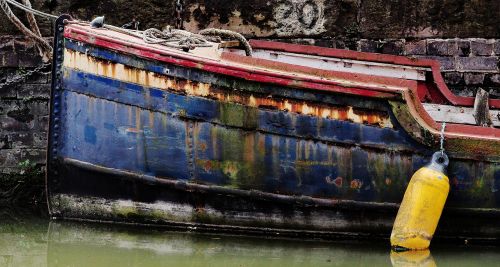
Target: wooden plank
{"type": "Point", "coordinates": [456, 114]}
{"type": "Point", "coordinates": [228, 44]}
{"type": "Point", "coordinates": [481, 108]}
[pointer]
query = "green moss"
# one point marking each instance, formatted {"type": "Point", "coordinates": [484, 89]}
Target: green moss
{"type": "Point", "coordinates": [124, 211]}
{"type": "Point", "coordinates": [235, 115]}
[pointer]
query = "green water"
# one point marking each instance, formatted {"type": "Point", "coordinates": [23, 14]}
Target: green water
{"type": "Point", "coordinates": [32, 240]}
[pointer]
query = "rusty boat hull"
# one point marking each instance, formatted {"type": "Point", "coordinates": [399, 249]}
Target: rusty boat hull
{"type": "Point", "coordinates": [150, 135]}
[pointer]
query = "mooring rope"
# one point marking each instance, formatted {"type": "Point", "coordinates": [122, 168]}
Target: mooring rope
{"type": "Point", "coordinates": [29, 9]}
{"type": "Point", "coordinates": [228, 34]}
{"type": "Point", "coordinates": [441, 137]}
{"type": "Point", "coordinates": [34, 33]}
{"type": "Point", "coordinates": [174, 38]}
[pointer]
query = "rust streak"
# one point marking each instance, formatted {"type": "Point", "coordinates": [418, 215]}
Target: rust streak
{"type": "Point", "coordinates": [133, 75]}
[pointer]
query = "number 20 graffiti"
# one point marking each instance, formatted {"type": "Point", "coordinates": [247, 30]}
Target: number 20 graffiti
{"type": "Point", "coordinates": [299, 17]}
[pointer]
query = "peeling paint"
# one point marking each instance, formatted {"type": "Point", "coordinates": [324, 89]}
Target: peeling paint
{"type": "Point", "coordinates": [92, 65]}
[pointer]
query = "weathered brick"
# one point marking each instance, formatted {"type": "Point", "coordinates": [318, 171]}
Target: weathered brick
{"type": "Point", "coordinates": [34, 91]}
{"type": "Point", "coordinates": [12, 157]}
{"type": "Point", "coordinates": [394, 47]}
{"type": "Point", "coordinates": [40, 139]}
{"type": "Point", "coordinates": [34, 155]}
{"type": "Point", "coordinates": [42, 123]}
{"type": "Point", "coordinates": [22, 114]}
{"type": "Point", "coordinates": [494, 92]}
{"type": "Point", "coordinates": [497, 47]}
{"type": "Point", "coordinates": [492, 79]}
{"type": "Point", "coordinates": [4, 142]}
{"type": "Point", "coordinates": [366, 45]}
{"type": "Point", "coordinates": [5, 52]}
{"type": "Point", "coordinates": [8, 91]}
{"type": "Point", "coordinates": [33, 139]}
{"type": "Point", "coordinates": [416, 47]}
{"type": "Point", "coordinates": [482, 47]}
{"type": "Point", "coordinates": [446, 63]}
{"type": "Point", "coordinates": [477, 63]}
{"type": "Point", "coordinates": [325, 42]}
{"type": "Point", "coordinates": [9, 124]}
{"type": "Point", "coordinates": [7, 106]}
{"type": "Point", "coordinates": [9, 59]}
{"type": "Point", "coordinates": [39, 78]}
{"type": "Point", "coordinates": [38, 108]}
{"type": "Point", "coordinates": [21, 139]}
{"type": "Point", "coordinates": [442, 47]}
{"type": "Point", "coordinates": [6, 44]}
{"type": "Point", "coordinates": [29, 59]}
{"type": "Point", "coordinates": [463, 90]}
{"type": "Point", "coordinates": [9, 74]}
{"type": "Point", "coordinates": [473, 78]}
{"type": "Point", "coordinates": [463, 48]}
{"type": "Point", "coordinates": [453, 78]}
{"type": "Point", "coordinates": [340, 44]}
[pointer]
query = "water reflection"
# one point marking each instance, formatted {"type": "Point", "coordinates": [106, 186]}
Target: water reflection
{"type": "Point", "coordinates": [32, 241]}
{"type": "Point", "coordinates": [88, 245]}
{"type": "Point", "coordinates": [420, 258]}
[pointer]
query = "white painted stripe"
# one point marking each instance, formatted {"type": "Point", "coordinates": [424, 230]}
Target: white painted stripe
{"type": "Point", "coordinates": [339, 64]}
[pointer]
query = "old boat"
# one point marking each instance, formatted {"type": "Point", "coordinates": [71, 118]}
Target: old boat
{"type": "Point", "coordinates": [293, 140]}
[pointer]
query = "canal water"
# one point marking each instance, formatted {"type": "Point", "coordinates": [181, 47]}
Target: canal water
{"type": "Point", "coordinates": [30, 239]}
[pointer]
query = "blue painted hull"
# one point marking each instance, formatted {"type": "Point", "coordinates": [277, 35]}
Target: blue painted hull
{"type": "Point", "coordinates": [129, 152]}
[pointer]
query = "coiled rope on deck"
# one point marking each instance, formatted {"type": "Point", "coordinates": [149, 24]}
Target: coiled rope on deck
{"type": "Point", "coordinates": [184, 40]}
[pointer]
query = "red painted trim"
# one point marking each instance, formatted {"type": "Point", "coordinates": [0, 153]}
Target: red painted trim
{"type": "Point", "coordinates": [472, 129]}
{"type": "Point", "coordinates": [340, 53]}
{"type": "Point", "coordinates": [436, 94]}
{"type": "Point", "coordinates": [227, 68]}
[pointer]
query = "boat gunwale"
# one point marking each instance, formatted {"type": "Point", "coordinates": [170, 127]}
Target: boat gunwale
{"type": "Point", "coordinates": [409, 95]}
{"type": "Point", "coordinates": [434, 65]}
{"type": "Point", "coordinates": [233, 66]}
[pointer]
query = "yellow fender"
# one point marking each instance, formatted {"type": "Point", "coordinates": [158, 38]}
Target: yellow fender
{"type": "Point", "coordinates": [422, 205]}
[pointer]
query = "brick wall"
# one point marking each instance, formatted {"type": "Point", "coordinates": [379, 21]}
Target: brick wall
{"type": "Point", "coordinates": [23, 107]}
{"type": "Point", "coordinates": [466, 64]}
{"type": "Point", "coordinates": [420, 28]}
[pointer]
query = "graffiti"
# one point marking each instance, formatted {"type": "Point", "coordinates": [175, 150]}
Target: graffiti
{"type": "Point", "coordinates": [295, 17]}
{"type": "Point", "coordinates": [337, 181]}
{"type": "Point", "coordinates": [356, 184]}
{"type": "Point", "coordinates": [310, 14]}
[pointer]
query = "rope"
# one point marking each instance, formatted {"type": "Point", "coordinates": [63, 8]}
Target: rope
{"type": "Point", "coordinates": [229, 34]}
{"type": "Point", "coordinates": [29, 9]}
{"type": "Point", "coordinates": [174, 38]}
{"type": "Point", "coordinates": [43, 46]}
{"type": "Point", "coordinates": [441, 139]}
{"type": "Point", "coordinates": [181, 39]}
{"type": "Point", "coordinates": [31, 19]}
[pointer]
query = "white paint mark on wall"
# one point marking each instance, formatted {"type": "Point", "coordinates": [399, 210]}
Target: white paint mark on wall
{"type": "Point", "coordinates": [298, 17]}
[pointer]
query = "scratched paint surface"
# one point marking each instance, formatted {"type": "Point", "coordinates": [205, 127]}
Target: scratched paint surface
{"type": "Point", "coordinates": [214, 135]}
{"type": "Point", "coordinates": [80, 61]}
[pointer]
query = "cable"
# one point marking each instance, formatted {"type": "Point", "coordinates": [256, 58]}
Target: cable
{"type": "Point", "coordinates": [29, 9]}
